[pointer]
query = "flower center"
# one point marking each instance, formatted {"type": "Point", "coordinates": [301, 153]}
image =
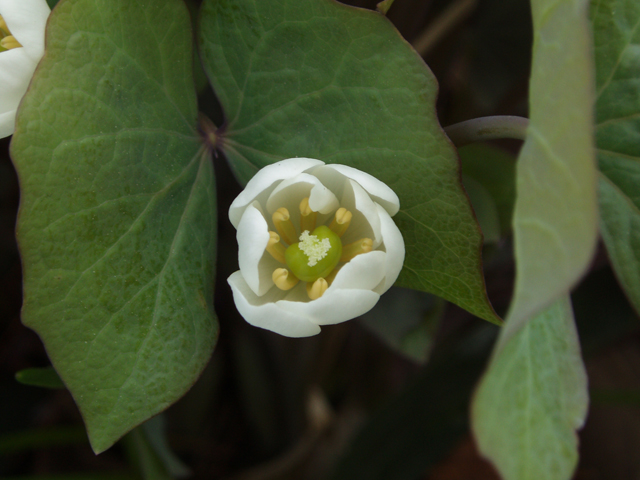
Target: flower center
{"type": "Point", "coordinates": [313, 247]}
{"type": "Point", "coordinates": [7, 41]}
{"type": "Point", "coordinates": [315, 257]}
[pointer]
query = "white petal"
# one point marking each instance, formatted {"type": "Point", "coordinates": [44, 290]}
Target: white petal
{"type": "Point", "coordinates": [262, 312]}
{"type": "Point", "coordinates": [379, 191]}
{"type": "Point", "coordinates": [336, 307]}
{"type": "Point", "coordinates": [16, 70]}
{"type": "Point", "coordinates": [322, 199]}
{"type": "Point", "coordinates": [364, 271]}
{"type": "Point", "coordinates": [349, 295]}
{"type": "Point", "coordinates": [290, 192]}
{"type": "Point", "coordinates": [366, 221]}
{"type": "Point", "coordinates": [255, 263]}
{"type": "Point", "coordinates": [27, 20]}
{"type": "Point", "coordinates": [7, 123]}
{"type": "Point", "coordinates": [265, 179]}
{"type": "Point", "coordinates": [394, 247]}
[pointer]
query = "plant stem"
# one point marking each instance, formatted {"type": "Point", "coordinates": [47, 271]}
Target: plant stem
{"type": "Point", "coordinates": [487, 128]}
{"type": "Point", "coordinates": [384, 6]}
{"type": "Point", "coordinates": [455, 13]}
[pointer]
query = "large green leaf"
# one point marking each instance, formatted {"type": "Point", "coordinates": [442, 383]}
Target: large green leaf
{"type": "Point", "coordinates": [320, 79]}
{"type": "Point", "coordinates": [616, 31]}
{"type": "Point", "coordinates": [533, 398]}
{"type": "Point", "coordinates": [555, 216]}
{"type": "Point", "coordinates": [117, 216]}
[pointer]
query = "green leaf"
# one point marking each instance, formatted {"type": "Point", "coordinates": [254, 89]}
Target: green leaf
{"type": "Point", "coordinates": [117, 216]}
{"type": "Point", "coordinates": [319, 79]}
{"type": "Point", "coordinates": [494, 170]}
{"type": "Point", "coordinates": [416, 316]}
{"type": "Point", "coordinates": [555, 216]}
{"type": "Point", "coordinates": [40, 377]}
{"type": "Point", "coordinates": [147, 449]}
{"type": "Point", "coordinates": [616, 32]}
{"type": "Point", "coordinates": [532, 399]}
{"type": "Point", "coordinates": [484, 207]}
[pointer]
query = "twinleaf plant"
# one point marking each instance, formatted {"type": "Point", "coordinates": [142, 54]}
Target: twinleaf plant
{"type": "Point", "coordinates": [117, 227]}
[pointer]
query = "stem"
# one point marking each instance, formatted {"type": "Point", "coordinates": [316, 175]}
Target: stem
{"type": "Point", "coordinates": [384, 6]}
{"type": "Point", "coordinates": [487, 128]}
{"type": "Point", "coordinates": [449, 18]}
{"type": "Point", "coordinates": [209, 131]}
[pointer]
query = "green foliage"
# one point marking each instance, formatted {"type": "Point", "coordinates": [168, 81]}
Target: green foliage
{"type": "Point", "coordinates": [420, 425]}
{"type": "Point", "coordinates": [117, 223]}
{"type": "Point", "coordinates": [147, 448]}
{"type": "Point", "coordinates": [555, 216]}
{"type": "Point", "coordinates": [118, 215]}
{"type": "Point", "coordinates": [533, 398]}
{"type": "Point", "coordinates": [617, 51]}
{"type": "Point", "coordinates": [40, 377]}
{"type": "Point", "coordinates": [416, 317]}
{"type": "Point", "coordinates": [315, 78]}
{"type": "Point", "coordinates": [488, 175]}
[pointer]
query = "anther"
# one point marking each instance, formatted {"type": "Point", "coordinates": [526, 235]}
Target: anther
{"type": "Point", "coordinates": [275, 248]}
{"type": "Point", "coordinates": [284, 225]}
{"type": "Point", "coordinates": [341, 221]}
{"type": "Point", "coordinates": [364, 245]}
{"type": "Point", "coordinates": [307, 216]}
{"type": "Point", "coordinates": [316, 289]}
{"type": "Point", "coordinates": [284, 279]}
{"type": "Point", "coordinates": [9, 42]}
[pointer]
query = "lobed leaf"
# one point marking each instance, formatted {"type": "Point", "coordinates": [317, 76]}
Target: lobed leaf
{"type": "Point", "coordinates": [532, 399]}
{"type": "Point", "coordinates": [616, 32]}
{"type": "Point", "coordinates": [117, 217]}
{"type": "Point", "coordinates": [315, 78]}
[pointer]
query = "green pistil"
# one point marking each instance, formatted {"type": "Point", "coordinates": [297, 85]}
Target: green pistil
{"type": "Point", "coordinates": [316, 255]}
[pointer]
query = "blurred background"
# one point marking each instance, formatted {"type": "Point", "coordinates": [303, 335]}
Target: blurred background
{"type": "Point", "coordinates": [382, 397]}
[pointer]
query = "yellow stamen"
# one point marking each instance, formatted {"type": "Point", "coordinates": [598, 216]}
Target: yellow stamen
{"type": "Point", "coordinates": [341, 221]}
{"type": "Point", "coordinates": [316, 289]}
{"type": "Point", "coordinates": [364, 245]}
{"type": "Point", "coordinates": [275, 248]}
{"type": "Point", "coordinates": [9, 42]}
{"type": "Point", "coordinates": [3, 27]}
{"type": "Point", "coordinates": [308, 216]}
{"type": "Point", "coordinates": [284, 225]}
{"type": "Point", "coordinates": [332, 276]}
{"type": "Point", "coordinates": [284, 279]}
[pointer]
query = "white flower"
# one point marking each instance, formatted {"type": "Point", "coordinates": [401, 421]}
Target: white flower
{"type": "Point", "coordinates": [22, 25]}
{"type": "Point", "coordinates": [317, 245]}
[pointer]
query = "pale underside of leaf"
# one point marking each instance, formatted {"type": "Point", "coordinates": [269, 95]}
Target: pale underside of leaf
{"type": "Point", "coordinates": [555, 216]}
{"type": "Point", "coordinates": [532, 399]}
